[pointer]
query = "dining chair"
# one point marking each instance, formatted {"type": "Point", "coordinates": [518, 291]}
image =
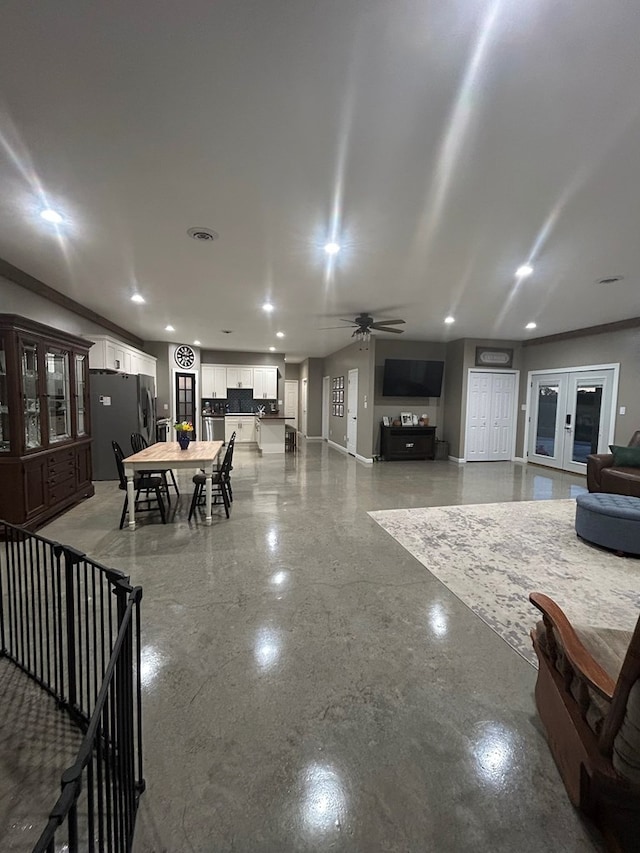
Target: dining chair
{"type": "Point", "coordinates": [138, 443]}
{"type": "Point", "coordinates": [220, 484]}
{"type": "Point", "coordinates": [142, 483]}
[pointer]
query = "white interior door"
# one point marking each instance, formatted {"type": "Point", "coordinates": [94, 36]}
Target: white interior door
{"type": "Point", "coordinates": [477, 445]}
{"type": "Point", "coordinates": [326, 402]}
{"type": "Point", "coordinates": [303, 413]}
{"type": "Point", "coordinates": [291, 401]}
{"type": "Point", "coordinates": [502, 418]}
{"type": "Point", "coordinates": [571, 417]}
{"type": "Point", "coordinates": [352, 412]}
{"type": "Point", "coordinates": [490, 416]}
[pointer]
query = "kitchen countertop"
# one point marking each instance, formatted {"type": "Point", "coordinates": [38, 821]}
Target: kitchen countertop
{"type": "Point", "coordinates": [247, 415]}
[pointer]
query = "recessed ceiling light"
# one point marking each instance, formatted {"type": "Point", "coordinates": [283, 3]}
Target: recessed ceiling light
{"type": "Point", "coordinates": [268, 307]}
{"type": "Point", "coordinates": [169, 328]}
{"type": "Point", "coordinates": [524, 270]}
{"type": "Point", "coordinates": [449, 320]}
{"type": "Point", "coordinates": [531, 325]}
{"type": "Point", "coordinates": [196, 343]}
{"type": "Point", "coordinates": [279, 334]}
{"type": "Point", "coordinates": [51, 215]}
{"type": "Point", "coordinates": [137, 298]}
{"type": "Point", "coordinates": [332, 248]}
{"type": "Point", "coordinates": [272, 349]}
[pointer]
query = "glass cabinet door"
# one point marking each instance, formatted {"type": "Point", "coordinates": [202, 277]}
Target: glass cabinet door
{"type": "Point", "coordinates": [31, 396]}
{"type": "Point", "coordinates": [58, 397]}
{"type": "Point", "coordinates": [4, 400]}
{"type": "Point", "coordinates": [81, 394]}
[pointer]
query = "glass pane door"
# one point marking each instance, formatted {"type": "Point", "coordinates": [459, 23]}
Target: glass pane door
{"type": "Point", "coordinates": [186, 399]}
{"type": "Point", "coordinates": [81, 395]}
{"type": "Point", "coordinates": [5, 438]}
{"type": "Point", "coordinates": [57, 362]}
{"type": "Point", "coordinates": [572, 416]}
{"type": "Point", "coordinates": [31, 396]}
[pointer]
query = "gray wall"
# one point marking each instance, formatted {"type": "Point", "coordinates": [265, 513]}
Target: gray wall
{"type": "Point", "coordinates": [433, 407]}
{"type": "Point", "coordinates": [18, 300]}
{"type": "Point", "coordinates": [454, 378]}
{"type": "Point", "coordinates": [292, 371]}
{"type": "Point", "coordinates": [222, 356]}
{"type": "Point", "coordinates": [311, 370]}
{"type": "Point", "coordinates": [160, 349]}
{"type": "Point", "coordinates": [360, 356]}
{"type": "Point", "coordinates": [621, 347]}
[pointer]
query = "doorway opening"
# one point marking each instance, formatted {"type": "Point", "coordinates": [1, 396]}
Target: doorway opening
{"type": "Point", "coordinates": [352, 412]}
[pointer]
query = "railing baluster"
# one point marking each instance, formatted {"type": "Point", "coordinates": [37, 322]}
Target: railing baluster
{"type": "Point", "coordinates": [46, 592]}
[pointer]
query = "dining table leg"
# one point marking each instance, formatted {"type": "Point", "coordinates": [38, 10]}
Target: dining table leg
{"type": "Point", "coordinates": [131, 498]}
{"type": "Point", "coordinates": [208, 491]}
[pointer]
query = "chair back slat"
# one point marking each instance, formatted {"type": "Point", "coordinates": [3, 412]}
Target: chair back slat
{"type": "Point", "coordinates": [138, 442]}
{"type": "Point", "coordinates": [117, 452]}
{"type": "Point", "coordinates": [629, 675]}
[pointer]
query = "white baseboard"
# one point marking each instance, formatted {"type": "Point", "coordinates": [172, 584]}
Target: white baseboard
{"type": "Point", "coordinates": [314, 438]}
{"type": "Point", "coordinates": [336, 446]}
{"type": "Point", "coordinates": [456, 459]}
{"type": "Point", "coordinates": [519, 459]}
{"type": "Point", "coordinates": [364, 459]}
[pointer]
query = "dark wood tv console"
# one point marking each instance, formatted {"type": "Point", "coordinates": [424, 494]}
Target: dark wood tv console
{"type": "Point", "coordinates": [410, 442]}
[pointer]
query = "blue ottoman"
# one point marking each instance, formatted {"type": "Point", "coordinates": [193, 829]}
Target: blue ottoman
{"type": "Point", "coordinates": [612, 521]}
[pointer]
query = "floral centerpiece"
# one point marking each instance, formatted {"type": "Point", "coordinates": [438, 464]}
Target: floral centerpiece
{"type": "Point", "coordinates": [183, 430]}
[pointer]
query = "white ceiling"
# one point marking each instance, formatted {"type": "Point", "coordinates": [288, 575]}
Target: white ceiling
{"type": "Point", "coordinates": [442, 144]}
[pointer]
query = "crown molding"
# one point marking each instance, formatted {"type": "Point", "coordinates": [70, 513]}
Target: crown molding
{"type": "Point", "coordinates": [28, 282]}
{"type": "Point", "coordinates": [617, 326]}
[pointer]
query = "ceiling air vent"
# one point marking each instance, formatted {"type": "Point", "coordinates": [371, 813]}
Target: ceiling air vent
{"type": "Point", "coordinates": [610, 279]}
{"type": "Point", "coordinates": [203, 234]}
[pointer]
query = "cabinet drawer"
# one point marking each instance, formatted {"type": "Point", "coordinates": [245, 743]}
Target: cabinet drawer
{"type": "Point", "coordinates": [61, 491]}
{"type": "Point", "coordinates": [68, 476]}
{"type": "Point", "coordinates": [61, 466]}
{"type": "Point", "coordinates": [61, 456]}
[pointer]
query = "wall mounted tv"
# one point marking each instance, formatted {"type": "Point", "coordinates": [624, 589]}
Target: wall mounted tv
{"type": "Point", "coordinates": [412, 378]}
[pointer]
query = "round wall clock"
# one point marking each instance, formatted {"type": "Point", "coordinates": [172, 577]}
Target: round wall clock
{"type": "Point", "coordinates": [185, 357]}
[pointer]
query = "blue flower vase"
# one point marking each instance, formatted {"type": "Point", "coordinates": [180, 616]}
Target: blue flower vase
{"type": "Point", "coordinates": [183, 440]}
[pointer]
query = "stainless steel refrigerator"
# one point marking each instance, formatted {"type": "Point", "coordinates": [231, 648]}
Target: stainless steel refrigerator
{"type": "Point", "coordinates": [120, 404]}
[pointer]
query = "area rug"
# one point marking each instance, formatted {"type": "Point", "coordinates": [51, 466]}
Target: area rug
{"type": "Point", "coordinates": [493, 555]}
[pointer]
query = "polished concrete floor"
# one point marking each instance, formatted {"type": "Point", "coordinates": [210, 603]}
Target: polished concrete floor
{"type": "Point", "coordinates": [297, 696]}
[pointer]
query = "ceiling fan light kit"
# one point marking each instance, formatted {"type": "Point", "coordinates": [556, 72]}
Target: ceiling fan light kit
{"type": "Point", "coordinates": [364, 324]}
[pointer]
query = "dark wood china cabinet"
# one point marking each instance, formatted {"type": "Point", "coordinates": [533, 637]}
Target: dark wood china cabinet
{"type": "Point", "coordinates": [45, 433]}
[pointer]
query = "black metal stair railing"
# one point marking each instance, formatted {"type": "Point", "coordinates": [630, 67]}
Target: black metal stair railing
{"type": "Point", "coordinates": [73, 626]}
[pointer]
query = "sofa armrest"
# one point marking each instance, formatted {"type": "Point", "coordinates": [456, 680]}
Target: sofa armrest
{"type": "Point", "coordinates": [595, 463]}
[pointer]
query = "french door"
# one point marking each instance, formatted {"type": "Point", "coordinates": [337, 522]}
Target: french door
{"type": "Point", "coordinates": [571, 417]}
{"type": "Point", "coordinates": [186, 400]}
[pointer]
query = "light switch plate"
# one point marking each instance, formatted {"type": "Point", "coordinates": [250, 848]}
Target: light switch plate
{"type": "Point", "coordinates": [623, 410]}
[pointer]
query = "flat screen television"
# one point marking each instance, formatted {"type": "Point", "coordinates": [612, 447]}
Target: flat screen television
{"type": "Point", "coordinates": [404, 377]}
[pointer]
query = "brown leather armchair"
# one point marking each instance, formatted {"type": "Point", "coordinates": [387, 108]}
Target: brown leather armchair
{"type": "Point", "coordinates": [603, 477]}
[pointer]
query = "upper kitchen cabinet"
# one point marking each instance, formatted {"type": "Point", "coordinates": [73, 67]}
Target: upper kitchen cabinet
{"type": "Point", "coordinates": [214, 381]}
{"type": "Point", "coordinates": [45, 444]}
{"type": "Point", "coordinates": [110, 354]}
{"type": "Point", "coordinates": [265, 383]}
{"type": "Point", "coordinates": [239, 377]}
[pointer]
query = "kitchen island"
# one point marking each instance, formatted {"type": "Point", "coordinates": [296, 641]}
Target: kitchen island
{"type": "Point", "coordinates": [270, 433]}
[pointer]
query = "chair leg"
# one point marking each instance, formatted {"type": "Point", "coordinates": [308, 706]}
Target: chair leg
{"type": "Point", "coordinates": [194, 500]}
{"type": "Point", "coordinates": [229, 489]}
{"type": "Point", "coordinates": [160, 504]}
{"type": "Point", "coordinates": [124, 510]}
{"type": "Point", "coordinates": [225, 498]}
{"type": "Point", "coordinates": [165, 486]}
{"type": "Point", "coordinates": [175, 485]}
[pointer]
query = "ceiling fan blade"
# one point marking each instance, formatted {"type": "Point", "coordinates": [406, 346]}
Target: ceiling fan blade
{"type": "Point", "coordinates": [326, 328]}
{"type": "Point", "coordinates": [382, 329]}
{"type": "Point", "coordinates": [387, 323]}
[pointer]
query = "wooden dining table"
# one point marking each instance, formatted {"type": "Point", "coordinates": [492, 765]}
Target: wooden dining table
{"type": "Point", "coordinates": [169, 454]}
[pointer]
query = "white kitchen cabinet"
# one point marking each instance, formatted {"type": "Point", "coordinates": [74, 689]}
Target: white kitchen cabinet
{"type": "Point", "coordinates": [111, 354]}
{"type": "Point", "coordinates": [214, 381]}
{"type": "Point", "coordinates": [239, 377]}
{"type": "Point", "coordinates": [244, 427]}
{"type": "Point", "coordinates": [265, 383]}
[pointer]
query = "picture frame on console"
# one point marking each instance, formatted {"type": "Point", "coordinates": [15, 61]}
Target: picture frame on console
{"type": "Point", "coordinates": [406, 418]}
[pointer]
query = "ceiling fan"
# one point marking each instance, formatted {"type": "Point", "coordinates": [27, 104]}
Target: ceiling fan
{"type": "Point", "coordinates": [364, 324]}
